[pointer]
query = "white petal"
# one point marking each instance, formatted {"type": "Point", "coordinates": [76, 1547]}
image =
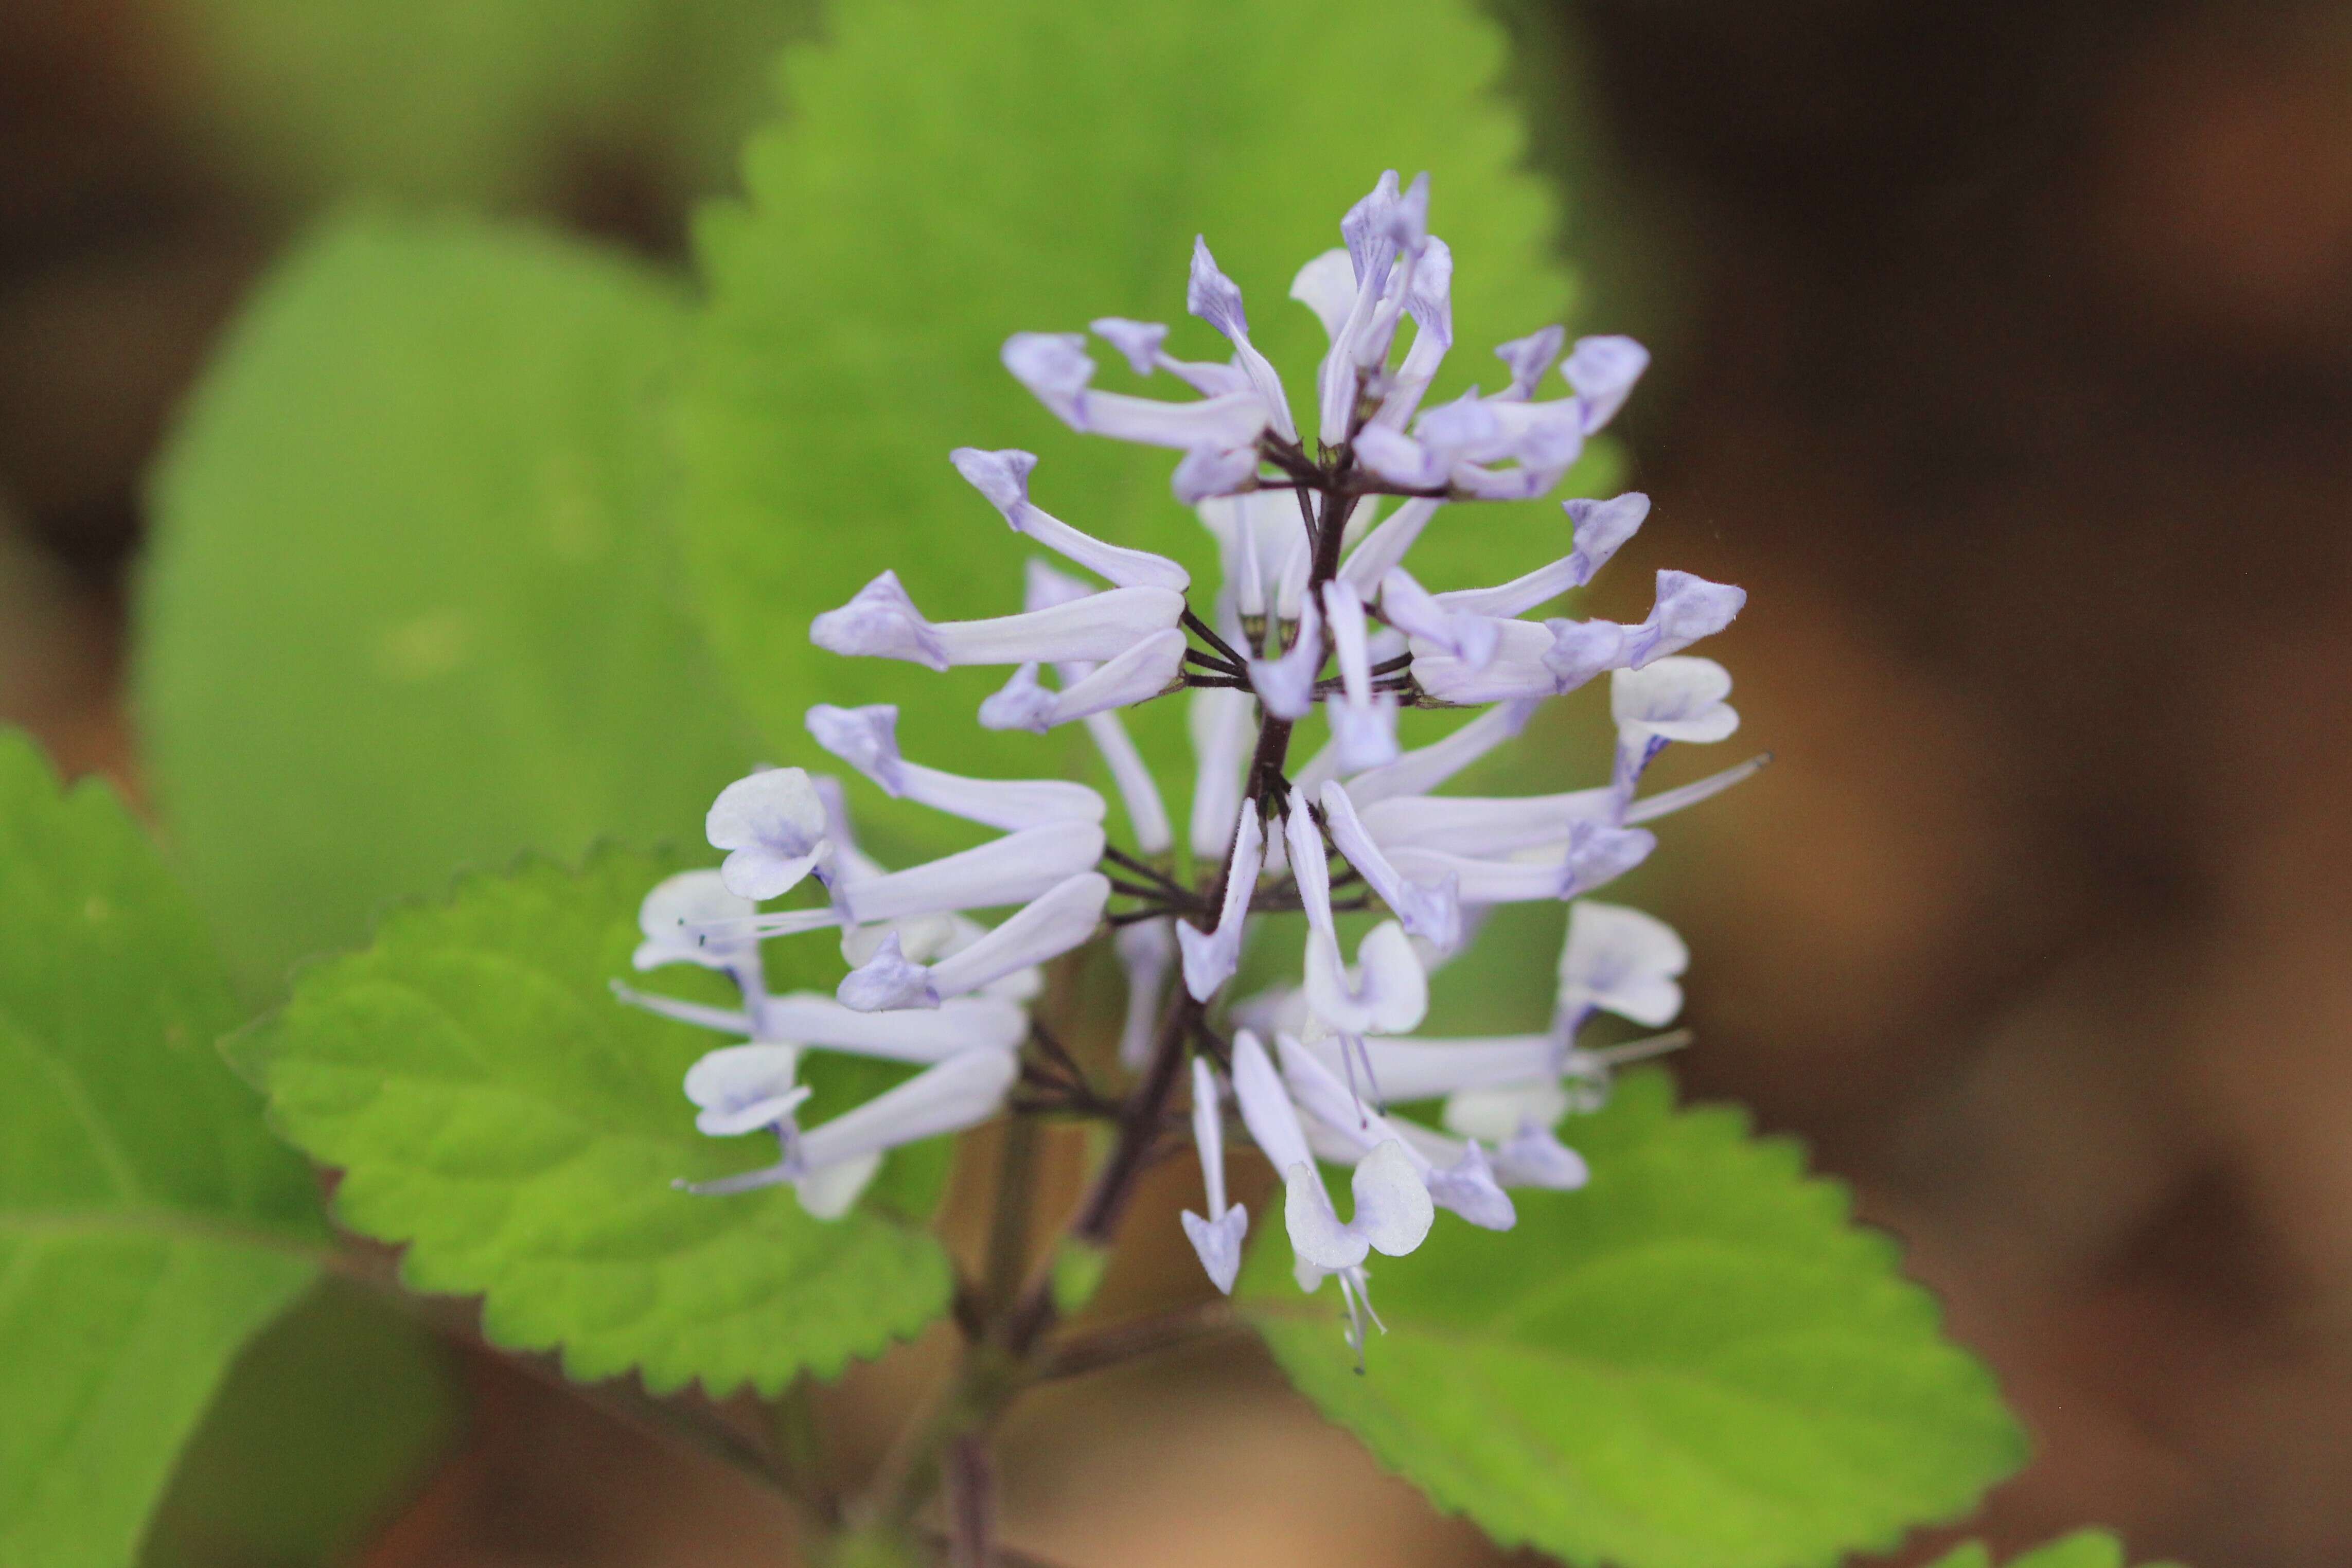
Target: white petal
{"type": "Point", "coordinates": [1210, 473]}
{"type": "Point", "coordinates": [774, 824]}
{"type": "Point", "coordinates": [1363, 734]}
{"type": "Point", "coordinates": [1492, 828]}
{"type": "Point", "coordinates": [744, 1088]}
{"type": "Point", "coordinates": [1219, 721]}
{"type": "Point", "coordinates": [1393, 1211]}
{"type": "Point", "coordinates": [1410, 1070]}
{"type": "Point", "coordinates": [1667, 801]}
{"type": "Point", "coordinates": [1465, 1185]}
{"type": "Point", "coordinates": [1046, 927]}
{"type": "Point", "coordinates": [1435, 622]}
{"type": "Point", "coordinates": [1003, 478]}
{"type": "Point", "coordinates": [1623, 961]}
{"type": "Point", "coordinates": [865, 738]}
{"type": "Point", "coordinates": [880, 622]}
{"type": "Point", "coordinates": [1312, 869]}
{"type": "Point", "coordinates": [1143, 671]}
{"type": "Point", "coordinates": [1386, 545]}
{"type": "Point", "coordinates": [1054, 368]}
{"type": "Point", "coordinates": [1217, 299]}
{"type": "Point", "coordinates": [1326, 285]}
{"type": "Point", "coordinates": [1484, 880]}
{"type": "Point", "coordinates": [887, 982]}
{"type": "Point", "coordinates": [1147, 951]}
{"type": "Point", "coordinates": [1139, 342]}
{"type": "Point", "coordinates": [1533, 1157]}
{"type": "Point", "coordinates": [1679, 698]}
{"type": "Point", "coordinates": [1604, 371]}
{"type": "Point", "coordinates": [1601, 527]}
{"type": "Point", "coordinates": [1225, 423]}
{"type": "Point", "coordinates": [958, 1092]}
{"type": "Point", "coordinates": [673, 917]}
{"type": "Point", "coordinates": [1387, 994]}
{"type": "Point", "coordinates": [1010, 869]}
{"type": "Point", "coordinates": [1286, 684]}
{"type": "Point", "coordinates": [1218, 1242]}
{"type": "Point", "coordinates": [1139, 791]}
{"type": "Point", "coordinates": [1209, 1134]}
{"type": "Point", "coordinates": [1600, 855]}
{"type": "Point", "coordinates": [1499, 1113]}
{"type": "Point", "coordinates": [1266, 1107]}
{"type": "Point", "coordinates": [1210, 957]}
{"type": "Point", "coordinates": [1404, 461]}
{"type": "Point", "coordinates": [969, 1024]}
{"type": "Point", "coordinates": [1317, 1234]}
{"type": "Point", "coordinates": [1419, 771]}
{"type": "Point", "coordinates": [1433, 912]}
{"type": "Point", "coordinates": [1528, 358]}
{"type": "Point", "coordinates": [831, 1192]}
{"type": "Point", "coordinates": [1687, 609]}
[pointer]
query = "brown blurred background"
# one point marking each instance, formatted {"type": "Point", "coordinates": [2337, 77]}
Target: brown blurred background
{"type": "Point", "coordinates": [2005, 354]}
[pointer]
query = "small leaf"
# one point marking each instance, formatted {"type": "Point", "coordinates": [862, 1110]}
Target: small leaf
{"type": "Point", "coordinates": [149, 1225]}
{"type": "Point", "coordinates": [2084, 1549]}
{"type": "Point", "coordinates": [1697, 1361]}
{"type": "Point", "coordinates": [957, 171]}
{"type": "Point", "coordinates": [409, 606]}
{"type": "Point", "coordinates": [493, 1105]}
{"type": "Point", "coordinates": [485, 100]}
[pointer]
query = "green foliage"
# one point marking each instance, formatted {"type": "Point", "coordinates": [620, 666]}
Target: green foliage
{"type": "Point", "coordinates": [330, 1420]}
{"type": "Point", "coordinates": [492, 1104]}
{"type": "Point", "coordinates": [955, 172]}
{"type": "Point", "coordinates": [485, 100]}
{"type": "Point", "coordinates": [2084, 1549]}
{"type": "Point", "coordinates": [148, 1223]}
{"type": "Point", "coordinates": [409, 606]}
{"type": "Point", "coordinates": [1697, 1361]}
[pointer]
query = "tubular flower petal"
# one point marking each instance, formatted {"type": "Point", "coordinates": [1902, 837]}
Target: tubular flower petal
{"type": "Point", "coordinates": [1314, 605]}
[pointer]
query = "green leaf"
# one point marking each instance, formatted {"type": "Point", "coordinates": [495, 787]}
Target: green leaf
{"type": "Point", "coordinates": [485, 100]}
{"type": "Point", "coordinates": [330, 1422]}
{"type": "Point", "coordinates": [148, 1222]}
{"type": "Point", "coordinates": [2084, 1549]}
{"type": "Point", "coordinates": [494, 1106]}
{"type": "Point", "coordinates": [1697, 1361]}
{"type": "Point", "coordinates": [957, 171]}
{"type": "Point", "coordinates": [410, 601]}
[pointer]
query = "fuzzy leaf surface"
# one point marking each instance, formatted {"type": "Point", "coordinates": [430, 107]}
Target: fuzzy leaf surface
{"type": "Point", "coordinates": [492, 1106]}
{"type": "Point", "coordinates": [149, 1224]}
{"type": "Point", "coordinates": [1697, 1362]}
{"type": "Point", "coordinates": [410, 602]}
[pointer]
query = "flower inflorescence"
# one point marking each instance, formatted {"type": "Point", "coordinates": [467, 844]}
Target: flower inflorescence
{"type": "Point", "coordinates": [1315, 609]}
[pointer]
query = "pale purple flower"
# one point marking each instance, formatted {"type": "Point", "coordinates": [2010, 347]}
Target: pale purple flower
{"type": "Point", "coordinates": [774, 824]}
{"type": "Point", "coordinates": [1217, 1238]}
{"type": "Point", "coordinates": [1315, 610]}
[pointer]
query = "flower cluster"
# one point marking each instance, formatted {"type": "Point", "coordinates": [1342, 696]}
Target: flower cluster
{"type": "Point", "coordinates": [1314, 610]}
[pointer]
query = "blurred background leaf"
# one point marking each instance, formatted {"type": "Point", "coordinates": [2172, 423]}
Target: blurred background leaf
{"type": "Point", "coordinates": [1697, 1362]}
{"type": "Point", "coordinates": [328, 1422]}
{"type": "Point", "coordinates": [498, 102]}
{"type": "Point", "coordinates": [408, 606]}
{"type": "Point", "coordinates": [954, 173]}
{"type": "Point", "coordinates": [2084, 1549]}
{"type": "Point", "coordinates": [149, 1224]}
{"type": "Point", "coordinates": [492, 1106]}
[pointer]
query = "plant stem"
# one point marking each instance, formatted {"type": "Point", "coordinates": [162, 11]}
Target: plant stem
{"type": "Point", "coordinates": [971, 1503]}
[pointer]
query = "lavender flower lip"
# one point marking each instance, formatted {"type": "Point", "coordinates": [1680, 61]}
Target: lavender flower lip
{"type": "Point", "coordinates": [1316, 609]}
